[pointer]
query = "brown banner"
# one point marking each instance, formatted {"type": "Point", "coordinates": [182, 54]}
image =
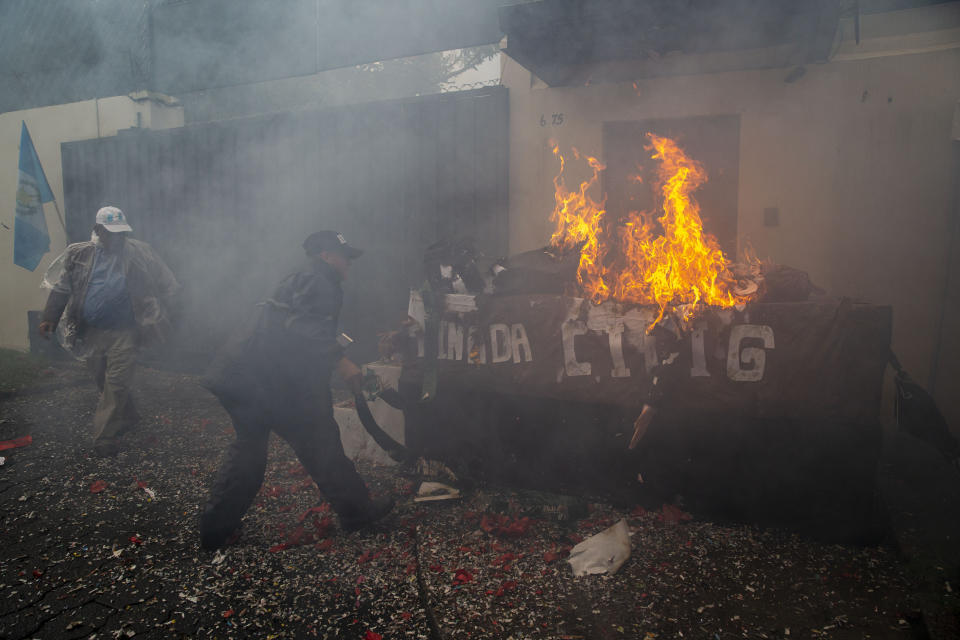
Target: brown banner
{"type": "Point", "coordinates": [812, 359]}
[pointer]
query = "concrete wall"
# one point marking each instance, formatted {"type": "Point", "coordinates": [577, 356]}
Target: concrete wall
{"type": "Point", "coordinates": [856, 155]}
{"type": "Point", "coordinates": [49, 126]}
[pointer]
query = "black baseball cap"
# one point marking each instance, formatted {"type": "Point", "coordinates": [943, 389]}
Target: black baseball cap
{"type": "Point", "coordinates": [329, 241]}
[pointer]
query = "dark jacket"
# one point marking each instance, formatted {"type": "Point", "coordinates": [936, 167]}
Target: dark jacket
{"type": "Point", "coordinates": [290, 344]}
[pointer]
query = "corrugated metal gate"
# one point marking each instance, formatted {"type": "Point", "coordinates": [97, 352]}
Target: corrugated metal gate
{"type": "Point", "coordinates": [227, 204]}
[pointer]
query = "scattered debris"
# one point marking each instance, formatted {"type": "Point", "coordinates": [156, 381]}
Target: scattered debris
{"type": "Point", "coordinates": [430, 491]}
{"type": "Point", "coordinates": [604, 552]}
{"type": "Point", "coordinates": [22, 441]}
{"type": "Point", "coordinates": [490, 564]}
{"type": "Point", "coordinates": [434, 469]}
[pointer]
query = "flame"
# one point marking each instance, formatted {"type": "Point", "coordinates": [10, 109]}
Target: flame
{"type": "Point", "coordinates": [668, 261]}
{"type": "Point", "coordinates": [579, 221]}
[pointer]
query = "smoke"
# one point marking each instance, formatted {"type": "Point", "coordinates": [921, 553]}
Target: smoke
{"type": "Point", "coordinates": [308, 118]}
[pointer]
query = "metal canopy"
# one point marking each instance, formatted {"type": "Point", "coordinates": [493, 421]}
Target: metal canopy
{"type": "Point", "coordinates": [213, 43]}
{"type": "Point", "coordinates": [558, 39]}
{"type": "Point", "coordinates": [59, 51]}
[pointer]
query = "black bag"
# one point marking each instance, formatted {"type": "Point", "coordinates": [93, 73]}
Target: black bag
{"type": "Point", "coordinates": [917, 414]}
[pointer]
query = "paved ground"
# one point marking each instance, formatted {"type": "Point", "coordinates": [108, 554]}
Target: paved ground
{"type": "Point", "coordinates": [108, 549]}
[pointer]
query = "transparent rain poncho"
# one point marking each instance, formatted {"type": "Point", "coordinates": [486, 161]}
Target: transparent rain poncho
{"type": "Point", "coordinates": [66, 332]}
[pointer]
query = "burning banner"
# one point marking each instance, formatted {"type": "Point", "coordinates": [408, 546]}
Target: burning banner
{"type": "Point", "coordinates": [644, 309]}
{"type": "Point", "coordinates": [552, 365]}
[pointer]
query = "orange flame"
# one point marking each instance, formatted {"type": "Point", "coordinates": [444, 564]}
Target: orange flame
{"type": "Point", "coordinates": [681, 266]}
{"type": "Point", "coordinates": [579, 221]}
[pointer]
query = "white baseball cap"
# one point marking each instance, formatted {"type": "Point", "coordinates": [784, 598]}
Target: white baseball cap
{"type": "Point", "coordinates": [113, 219]}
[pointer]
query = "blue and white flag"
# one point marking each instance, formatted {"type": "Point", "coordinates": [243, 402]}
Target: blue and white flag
{"type": "Point", "coordinates": [31, 240]}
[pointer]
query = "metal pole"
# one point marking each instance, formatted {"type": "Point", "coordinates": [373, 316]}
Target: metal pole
{"type": "Point", "coordinates": [60, 218]}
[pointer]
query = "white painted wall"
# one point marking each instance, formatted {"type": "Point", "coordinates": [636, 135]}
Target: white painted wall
{"type": "Point", "coordinates": [49, 126]}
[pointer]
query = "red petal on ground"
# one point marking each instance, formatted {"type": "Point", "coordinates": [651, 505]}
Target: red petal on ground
{"type": "Point", "coordinates": [296, 469]}
{"type": "Point", "coordinates": [638, 512]}
{"type": "Point", "coordinates": [462, 576]}
{"type": "Point", "coordinates": [273, 492]}
{"type": "Point", "coordinates": [98, 486]}
{"type": "Point", "coordinates": [502, 525]}
{"type": "Point", "coordinates": [556, 553]}
{"type": "Point", "coordinates": [323, 508]}
{"type": "Point", "coordinates": [141, 484]}
{"type": "Point", "coordinates": [436, 567]}
{"type": "Point", "coordinates": [674, 515]}
{"type": "Point", "coordinates": [227, 613]}
{"type": "Point", "coordinates": [369, 555]}
{"type": "Point", "coordinates": [504, 560]}
{"type": "Point", "coordinates": [406, 615]}
{"type": "Point", "coordinates": [323, 526]}
{"type": "Point", "coordinates": [277, 547]}
{"type": "Point", "coordinates": [324, 545]}
{"type": "Point", "coordinates": [136, 540]}
{"type": "Point", "coordinates": [298, 537]}
{"type": "Point", "coordinates": [487, 523]}
{"type": "Point", "coordinates": [601, 523]}
{"type": "Point", "coordinates": [411, 567]}
{"type": "Point", "coordinates": [370, 635]}
{"type": "Point", "coordinates": [37, 573]}
{"type": "Point", "coordinates": [505, 586]}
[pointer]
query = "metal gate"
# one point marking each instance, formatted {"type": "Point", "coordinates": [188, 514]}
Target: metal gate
{"type": "Point", "coordinates": [227, 204]}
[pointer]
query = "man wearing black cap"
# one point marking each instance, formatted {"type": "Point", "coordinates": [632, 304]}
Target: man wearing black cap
{"type": "Point", "coordinates": [275, 376]}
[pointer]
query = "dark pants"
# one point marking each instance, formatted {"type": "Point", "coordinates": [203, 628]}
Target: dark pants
{"type": "Point", "coordinates": [305, 420]}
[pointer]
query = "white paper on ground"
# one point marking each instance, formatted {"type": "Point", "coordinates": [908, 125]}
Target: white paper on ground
{"type": "Point", "coordinates": [430, 491]}
{"type": "Point", "coordinates": [604, 552]}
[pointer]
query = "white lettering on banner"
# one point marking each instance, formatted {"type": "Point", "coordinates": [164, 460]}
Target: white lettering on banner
{"type": "Point", "coordinates": [520, 341]}
{"type": "Point", "coordinates": [753, 356]}
{"type": "Point", "coordinates": [500, 349]}
{"type": "Point", "coordinates": [636, 322]}
{"type": "Point", "coordinates": [507, 342]}
{"type": "Point", "coordinates": [572, 327]}
{"type": "Point", "coordinates": [631, 326]}
{"type": "Point", "coordinates": [699, 368]}
{"type": "Point", "coordinates": [511, 342]}
{"type": "Point", "coordinates": [602, 319]}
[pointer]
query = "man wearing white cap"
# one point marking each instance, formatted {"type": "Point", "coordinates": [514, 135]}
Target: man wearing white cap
{"type": "Point", "coordinates": [113, 295]}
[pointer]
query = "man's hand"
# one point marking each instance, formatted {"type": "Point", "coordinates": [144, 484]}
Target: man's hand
{"type": "Point", "coordinates": [351, 374]}
{"type": "Point", "coordinates": [641, 424]}
{"type": "Point", "coordinates": [45, 328]}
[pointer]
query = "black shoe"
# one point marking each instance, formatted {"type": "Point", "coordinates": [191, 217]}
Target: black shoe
{"type": "Point", "coordinates": [106, 449]}
{"type": "Point", "coordinates": [213, 538]}
{"type": "Point", "coordinates": [374, 511]}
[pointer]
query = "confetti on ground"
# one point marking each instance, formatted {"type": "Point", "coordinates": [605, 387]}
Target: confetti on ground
{"type": "Point", "coordinates": [88, 550]}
